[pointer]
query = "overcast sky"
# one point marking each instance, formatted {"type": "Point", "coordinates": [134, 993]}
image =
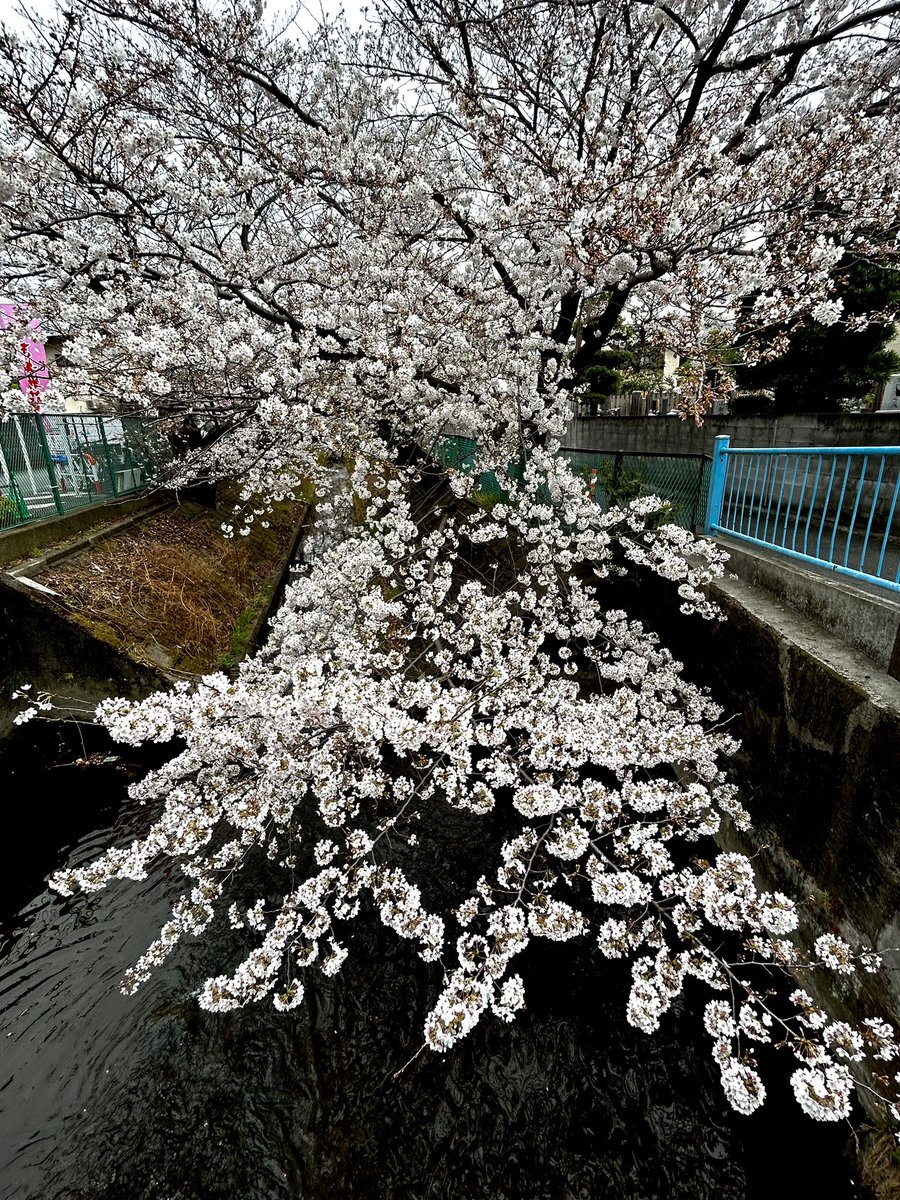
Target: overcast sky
{"type": "Point", "coordinates": [296, 16]}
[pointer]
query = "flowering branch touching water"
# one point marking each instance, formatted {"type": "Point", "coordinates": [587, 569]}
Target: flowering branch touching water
{"type": "Point", "coordinates": [403, 682]}
{"type": "Point", "coordinates": [344, 247]}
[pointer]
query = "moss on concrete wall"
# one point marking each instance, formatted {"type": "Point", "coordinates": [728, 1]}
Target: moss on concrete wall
{"type": "Point", "coordinates": [41, 646]}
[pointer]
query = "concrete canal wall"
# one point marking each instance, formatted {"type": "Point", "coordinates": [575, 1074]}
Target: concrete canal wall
{"type": "Point", "coordinates": [818, 768]}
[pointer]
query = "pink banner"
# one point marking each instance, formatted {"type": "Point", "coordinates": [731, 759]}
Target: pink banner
{"type": "Point", "coordinates": [35, 378]}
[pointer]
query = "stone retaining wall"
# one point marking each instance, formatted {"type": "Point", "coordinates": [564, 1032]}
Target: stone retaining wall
{"type": "Point", "coordinates": [671, 435]}
{"type": "Point", "coordinates": [818, 768]}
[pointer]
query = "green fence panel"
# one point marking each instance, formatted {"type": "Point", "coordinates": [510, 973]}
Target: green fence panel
{"type": "Point", "coordinates": [54, 463]}
{"type": "Point", "coordinates": [680, 480]}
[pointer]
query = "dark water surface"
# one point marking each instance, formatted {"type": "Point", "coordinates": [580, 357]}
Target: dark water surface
{"type": "Point", "coordinates": [104, 1097]}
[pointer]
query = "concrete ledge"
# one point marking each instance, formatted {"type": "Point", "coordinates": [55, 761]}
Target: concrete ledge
{"type": "Point", "coordinates": [79, 663]}
{"type": "Point", "coordinates": [23, 540]}
{"type": "Point", "coordinates": [863, 618]}
{"type": "Point", "coordinates": [34, 566]}
{"type": "Point", "coordinates": [792, 631]}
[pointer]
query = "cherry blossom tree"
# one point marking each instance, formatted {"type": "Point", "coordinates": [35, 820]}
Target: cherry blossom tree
{"type": "Point", "coordinates": [346, 246]}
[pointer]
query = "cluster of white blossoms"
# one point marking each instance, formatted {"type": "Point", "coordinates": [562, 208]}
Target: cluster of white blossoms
{"type": "Point", "coordinates": [43, 703]}
{"type": "Point", "coordinates": [420, 667]}
{"type": "Point", "coordinates": [345, 250]}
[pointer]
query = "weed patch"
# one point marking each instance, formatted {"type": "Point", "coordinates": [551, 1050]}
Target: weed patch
{"type": "Point", "coordinates": [175, 583]}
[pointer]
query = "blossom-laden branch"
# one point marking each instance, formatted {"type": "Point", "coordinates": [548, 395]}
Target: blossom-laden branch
{"type": "Point", "coordinates": [347, 247]}
{"type": "Point", "coordinates": [406, 678]}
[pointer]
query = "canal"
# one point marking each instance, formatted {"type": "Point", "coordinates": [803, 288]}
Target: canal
{"type": "Point", "coordinates": [104, 1097]}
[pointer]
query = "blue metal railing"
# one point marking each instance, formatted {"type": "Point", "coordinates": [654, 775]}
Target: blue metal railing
{"type": "Point", "coordinates": [835, 507]}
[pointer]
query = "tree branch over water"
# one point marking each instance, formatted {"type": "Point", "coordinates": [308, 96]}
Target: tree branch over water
{"type": "Point", "coordinates": [356, 244]}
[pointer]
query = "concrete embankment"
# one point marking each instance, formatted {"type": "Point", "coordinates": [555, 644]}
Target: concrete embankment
{"type": "Point", "coordinates": [818, 766]}
{"type": "Point", "coordinates": [40, 644]}
{"type": "Point", "coordinates": [132, 604]}
{"type": "Point", "coordinates": [860, 615]}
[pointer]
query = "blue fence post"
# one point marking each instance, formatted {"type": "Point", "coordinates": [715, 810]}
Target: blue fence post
{"type": "Point", "coordinates": [717, 484]}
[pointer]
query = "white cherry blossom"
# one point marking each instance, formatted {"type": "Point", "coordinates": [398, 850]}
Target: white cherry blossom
{"type": "Point", "coordinates": [343, 250]}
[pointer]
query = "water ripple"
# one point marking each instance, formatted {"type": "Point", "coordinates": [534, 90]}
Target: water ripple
{"type": "Point", "coordinates": [106, 1097]}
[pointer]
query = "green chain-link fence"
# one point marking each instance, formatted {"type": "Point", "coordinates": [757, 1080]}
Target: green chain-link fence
{"type": "Point", "coordinates": [681, 480]}
{"type": "Point", "coordinates": [461, 454]}
{"type": "Point", "coordinates": [52, 463]}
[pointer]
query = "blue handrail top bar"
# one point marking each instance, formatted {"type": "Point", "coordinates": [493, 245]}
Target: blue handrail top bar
{"type": "Point", "coordinates": [872, 451]}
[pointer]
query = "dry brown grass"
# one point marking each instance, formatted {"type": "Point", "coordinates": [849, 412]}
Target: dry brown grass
{"type": "Point", "coordinates": [879, 1162]}
{"type": "Point", "coordinates": [174, 583]}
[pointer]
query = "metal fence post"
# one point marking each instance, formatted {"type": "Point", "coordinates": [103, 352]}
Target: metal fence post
{"type": "Point", "coordinates": [698, 494]}
{"type": "Point", "coordinates": [19, 506]}
{"type": "Point", "coordinates": [717, 484]}
{"type": "Point", "coordinates": [83, 481]}
{"type": "Point", "coordinates": [616, 475]}
{"type": "Point", "coordinates": [26, 458]}
{"type": "Point", "coordinates": [51, 465]}
{"type": "Point", "coordinates": [110, 468]}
